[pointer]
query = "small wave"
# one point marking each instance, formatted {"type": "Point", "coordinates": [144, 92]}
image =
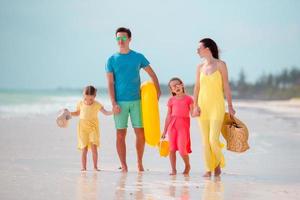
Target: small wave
{"type": "Point", "coordinates": [42, 105]}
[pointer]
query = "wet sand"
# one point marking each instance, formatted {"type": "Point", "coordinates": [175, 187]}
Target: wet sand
{"type": "Point", "coordinates": [40, 161]}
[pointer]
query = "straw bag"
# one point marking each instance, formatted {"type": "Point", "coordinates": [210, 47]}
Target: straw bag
{"type": "Point", "coordinates": [235, 133]}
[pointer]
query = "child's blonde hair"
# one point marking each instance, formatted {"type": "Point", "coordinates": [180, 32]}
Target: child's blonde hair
{"type": "Point", "coordinates": [175, 79]}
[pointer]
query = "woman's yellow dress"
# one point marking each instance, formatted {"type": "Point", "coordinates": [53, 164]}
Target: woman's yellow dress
{"type": "Point", "coordinates": [88, 125]}
{"type": "Point", "coordinates": [212, 106]}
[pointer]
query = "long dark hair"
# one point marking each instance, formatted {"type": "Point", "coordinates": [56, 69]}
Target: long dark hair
{"type": "Point", "coordinates": [209, 43]}
{"type": "Point", "coordinates": [175, 79]}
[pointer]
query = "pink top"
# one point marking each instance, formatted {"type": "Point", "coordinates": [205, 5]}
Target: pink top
{"type": "Point", "coordinates": [180, 107]}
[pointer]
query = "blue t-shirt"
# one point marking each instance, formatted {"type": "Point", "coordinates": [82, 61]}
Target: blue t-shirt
{"type": "Point", "coordinates": [126, 72]}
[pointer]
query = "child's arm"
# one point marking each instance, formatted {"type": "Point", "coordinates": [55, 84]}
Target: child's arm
{"type": "Point", "coordinates": [75, 113]}
{"type": "Point", "coordinates": [106, 112]}
{"type": "Point", "coordinates": [192, 113]}
{"type": "Point", "coordinates": [167, 122]}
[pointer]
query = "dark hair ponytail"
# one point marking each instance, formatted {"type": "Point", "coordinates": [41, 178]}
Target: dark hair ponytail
{"type": "Point", "coordinates": [209, 43]}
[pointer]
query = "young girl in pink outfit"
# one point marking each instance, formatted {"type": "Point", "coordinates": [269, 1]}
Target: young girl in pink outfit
{"type": "Point", "coordinates": [177, 124]}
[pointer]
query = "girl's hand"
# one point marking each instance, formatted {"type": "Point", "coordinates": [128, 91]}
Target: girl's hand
{"type": "Point", "coordinates": [163, 136]}
{"type": "Point", "coordinates": [196, 111]}
{"type": "Point", "coordinates": [231, 110]}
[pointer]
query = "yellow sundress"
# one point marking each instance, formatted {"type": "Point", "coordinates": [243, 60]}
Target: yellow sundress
{"type": "Point", "coordinates": [88, 125]}
{"type": "Point", "coordinates": [212, 105]}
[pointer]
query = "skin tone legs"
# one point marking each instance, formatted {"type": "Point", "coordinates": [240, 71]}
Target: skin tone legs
{"type": "Point", "coordinates": [121, 147]}
{"type": "Point", "coordinates": [84, 157]}
{"type": "Point", "coordinates": [186, 161]}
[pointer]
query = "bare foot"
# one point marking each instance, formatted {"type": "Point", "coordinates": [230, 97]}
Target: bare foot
{"type": "Point", "coordinates": [96, 169]}
{"type": "Point", "coordinates": [218, 171]}
{"type": "Point", "coordinates": [83, 170]}
{"type": "Point", "coordinates": [186, 170]}
{"type": "Point", "coordinates": [174, 172]}
{"type": "Point", "coordinates": [207, 174]}
{"type": "Point", "coordinates": [123, 169]}
{"type": "Point", "coordinates": [140, 168]}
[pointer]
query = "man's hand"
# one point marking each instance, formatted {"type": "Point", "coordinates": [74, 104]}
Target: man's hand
{"type": "Point", "coordinates": [116, 108]}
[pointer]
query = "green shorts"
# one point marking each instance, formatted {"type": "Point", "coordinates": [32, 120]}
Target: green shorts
{"type": "Point", "coordinates": [132, 108]}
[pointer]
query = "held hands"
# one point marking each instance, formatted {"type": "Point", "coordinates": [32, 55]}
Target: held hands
{"type": "Point", "coordinates": [116, 109]}
{"type": "Point", "coordinates": [196, 111]}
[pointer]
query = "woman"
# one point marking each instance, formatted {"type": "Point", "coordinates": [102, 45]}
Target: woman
{"type": "Point", "coordinates": [211, 84]}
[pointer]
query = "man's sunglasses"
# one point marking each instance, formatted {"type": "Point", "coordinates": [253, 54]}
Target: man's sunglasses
{"type": "Point", "coordinates": [123, 38]}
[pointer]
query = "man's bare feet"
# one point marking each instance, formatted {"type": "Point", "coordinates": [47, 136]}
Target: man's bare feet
{"type": "Point", "coordinates": [207, 174]}
{"type": "Point", "coordinates": [186, 170]}
{"type": "Point", "coordinates": [123, 169]}
{"type": "Point", "coordinates": [140, 168]}
{"type": "Point", "coordinates": [218, 171]}
{"type": "Point", "coordinates": [174, 172]}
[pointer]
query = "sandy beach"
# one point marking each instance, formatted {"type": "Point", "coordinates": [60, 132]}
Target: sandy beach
{"type": "Point", "coordinates": [40, 161]}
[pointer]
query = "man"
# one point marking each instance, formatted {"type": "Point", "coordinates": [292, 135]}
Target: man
{"type": "Point", "coordinates": [123, 75]}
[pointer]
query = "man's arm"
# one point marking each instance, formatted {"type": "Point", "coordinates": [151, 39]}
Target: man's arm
{"type": "Point", "coordinates": [153, 76]}
{"type": "Point", "coordinates": [111, 91]}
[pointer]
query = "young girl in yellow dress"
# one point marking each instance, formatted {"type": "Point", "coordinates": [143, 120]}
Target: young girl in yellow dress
{"type": "Point", "coordinates": [88, 125]}
{"type": "Point", "coordinates": [211, 84]}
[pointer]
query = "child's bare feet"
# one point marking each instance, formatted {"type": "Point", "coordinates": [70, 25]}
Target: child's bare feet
{"type": "Point", "coordinates": [174, 172]}
{"type": "Point", "coordinates": [207, 174]}
{"type": "Point", "coordinates": [186, 170]}
{"type": "Point", "coordinates": [218, 171]}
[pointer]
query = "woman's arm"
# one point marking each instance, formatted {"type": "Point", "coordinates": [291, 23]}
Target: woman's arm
{"type": "Point", "coordinates": [106, 112]}
{"type": "Point", "coordinates": [196, 108]}
{"type": "Point", "coordinates": [227, 89]}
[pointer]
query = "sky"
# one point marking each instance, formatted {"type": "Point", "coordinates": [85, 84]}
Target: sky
{"type": "Point", "coordinates": [66, 43]}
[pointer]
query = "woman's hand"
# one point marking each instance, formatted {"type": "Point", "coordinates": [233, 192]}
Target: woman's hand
{"type": "Point", "coordinates": [231, 110]}
{"type": "Point", "coordinates": [196, 111]}
{"type": "Point", "coordinates": [163, 136]}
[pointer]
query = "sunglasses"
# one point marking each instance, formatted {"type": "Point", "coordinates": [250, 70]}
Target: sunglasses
{"type": "Point", "coordinates": [123, 38]}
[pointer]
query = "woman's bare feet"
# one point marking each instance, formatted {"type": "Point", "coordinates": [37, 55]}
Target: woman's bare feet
{"type": "Point", "coordinates": [96, 169]}
{"type": "Point", "coordinates": [186, 170]}
{"type": "Point", "coordinates": [174, 172]}
{"type": "Point", "coordinates": [207, 174]}
{"type": "Point", "coordinates": [83, 169]}
{"type": "Point", "coordinates": [218, 171]}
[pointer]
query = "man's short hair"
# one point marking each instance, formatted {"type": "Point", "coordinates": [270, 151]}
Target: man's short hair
{"type": "Point", "coordinates": [123, 29]}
